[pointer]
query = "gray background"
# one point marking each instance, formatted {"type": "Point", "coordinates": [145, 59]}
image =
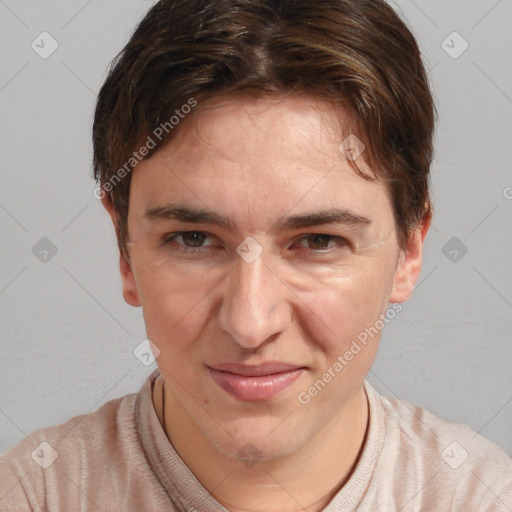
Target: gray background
{"type": "Point", "coordinates": [66, 334]}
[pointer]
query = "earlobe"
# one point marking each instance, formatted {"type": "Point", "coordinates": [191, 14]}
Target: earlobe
{"type": "Point", "coordinates": [409, 264]}
{"type": "Point", "coordinates": [130, 291]}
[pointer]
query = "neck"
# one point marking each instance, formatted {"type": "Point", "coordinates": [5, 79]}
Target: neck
{"type": "Point", "coordinates": [307, 480]}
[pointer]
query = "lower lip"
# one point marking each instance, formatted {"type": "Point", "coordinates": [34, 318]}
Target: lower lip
{"type": "Point", "coordinates": [255, 389]}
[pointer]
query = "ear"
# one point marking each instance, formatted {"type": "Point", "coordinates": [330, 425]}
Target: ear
{"type": "Point", "coordinates": [130, 291]}
{"type": "Point", "coordinates": [409, 263]}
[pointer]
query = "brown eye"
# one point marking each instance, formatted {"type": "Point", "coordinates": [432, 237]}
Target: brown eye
{"type": "Point", "coordinates": [187, 241]}
{"type": "Point", "coordinates": [321, 243]}
{"type": "Point", "coordinates": [193, 239]}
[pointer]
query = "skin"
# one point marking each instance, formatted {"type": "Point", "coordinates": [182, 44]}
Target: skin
{"type": "Point", "coordinates": [256, 161]}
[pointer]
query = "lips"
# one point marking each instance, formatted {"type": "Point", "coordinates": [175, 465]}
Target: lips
{"type": "Point", "coordinates": [255, 383]}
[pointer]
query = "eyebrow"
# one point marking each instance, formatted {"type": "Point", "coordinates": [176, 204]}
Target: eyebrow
{"type": "Point", "coordinates": [193, 215]}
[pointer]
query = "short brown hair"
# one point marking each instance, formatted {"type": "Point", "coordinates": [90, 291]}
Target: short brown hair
{"type": "Point", "coordinates": [358, 53]}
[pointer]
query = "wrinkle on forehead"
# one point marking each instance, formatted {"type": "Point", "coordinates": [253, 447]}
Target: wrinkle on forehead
{"type": "Point", "coordinates": [306, 121]}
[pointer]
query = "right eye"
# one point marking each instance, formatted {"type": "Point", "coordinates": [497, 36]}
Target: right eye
{"type": "Point", "coordinates": [191, 241]}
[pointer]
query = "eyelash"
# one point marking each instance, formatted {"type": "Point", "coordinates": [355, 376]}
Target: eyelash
{"type": "Point", "coordinates": [191, 250]}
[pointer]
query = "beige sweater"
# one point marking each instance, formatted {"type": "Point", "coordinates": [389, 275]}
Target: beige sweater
{"type": "Point", "coordinates": [119, 459]}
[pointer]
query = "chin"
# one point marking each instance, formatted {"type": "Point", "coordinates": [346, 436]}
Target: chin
{"type": "Point", "coordinates": [250, 451]}
{"type": "Point", "coordinates": [252, 440]}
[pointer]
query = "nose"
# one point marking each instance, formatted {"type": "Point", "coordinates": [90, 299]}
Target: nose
{"type": "Point", "coordinates": [255, 306]}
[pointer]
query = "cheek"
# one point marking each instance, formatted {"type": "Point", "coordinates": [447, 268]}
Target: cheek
{"type": "Point", "coordinates": [174, 303]}
{"type": "Point", "coordinates": [340, 309]}
{"type": "Point", "coordinates": [353, 309]}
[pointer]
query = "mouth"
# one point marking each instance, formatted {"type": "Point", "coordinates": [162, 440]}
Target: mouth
{"type": "Point", "coordinates": [255, 383]}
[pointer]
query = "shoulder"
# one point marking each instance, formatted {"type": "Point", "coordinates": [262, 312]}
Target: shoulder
{"type": "Point", "coordinates": [76, 437]}
{"type": "Point", "coordinates": [442, 461]}
{"type": "Point", "coordinates": [50, 457]}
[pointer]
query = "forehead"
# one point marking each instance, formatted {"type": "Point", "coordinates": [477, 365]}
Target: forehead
{"type": "Point", "coordinates": [247, 129]}
{"type": "Point", "coordinates": [269, 154]}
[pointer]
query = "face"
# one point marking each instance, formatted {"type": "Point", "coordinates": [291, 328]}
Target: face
{"type": "Point", "coordinates": [259, 256]}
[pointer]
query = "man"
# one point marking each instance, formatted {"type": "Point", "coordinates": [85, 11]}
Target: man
{"type": "Point", "coordinates": [265, 165]}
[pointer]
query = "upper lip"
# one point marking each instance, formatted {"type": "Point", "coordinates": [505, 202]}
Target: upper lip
{"type": "Point", "coordinates": [255, 370]}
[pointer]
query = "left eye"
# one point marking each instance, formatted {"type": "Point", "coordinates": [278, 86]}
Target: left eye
{"type": "Point", "coordinates": [320, 242]}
